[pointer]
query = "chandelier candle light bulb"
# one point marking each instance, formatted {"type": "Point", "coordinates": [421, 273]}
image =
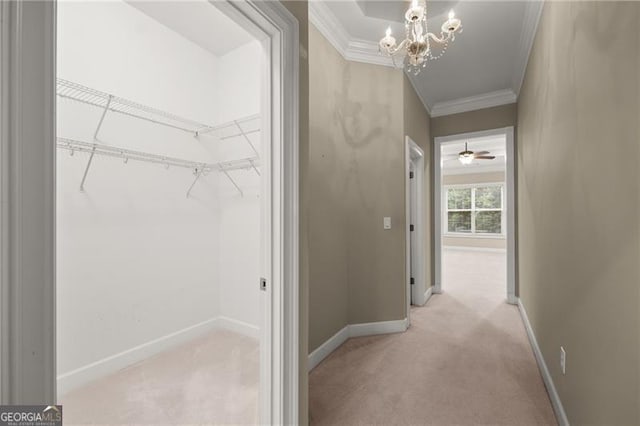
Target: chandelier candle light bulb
{"type": "Point", "coordinates": [417, 46]}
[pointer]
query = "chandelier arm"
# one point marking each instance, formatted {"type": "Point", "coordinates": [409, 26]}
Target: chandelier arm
{"type": "Point", "coordinates": [393, 50]}
{"type": "Point", "coordinates": [442, 39]}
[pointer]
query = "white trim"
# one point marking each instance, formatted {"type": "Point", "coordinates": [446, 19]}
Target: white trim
{"type": "Point", "coordinates": [509, 196]}
{"type": "Point", "coordinates": [27, 200]}
{"type": "Point", "coordinates": [427, 295]}
{"type": "Point", "coordinates": [416, 255]}
{"type": "Point", "coordinates": [379, 327]}
{"type": "Point", "coordinates": [352, 49]}
{"type": "Point", "coordinates": [480, 169]}
{"type": "Point", "coordinates": [561, 416]}
{"type": "Point", "coordinates": [532, 14]}
{"type": "Point", "coordinates": [426, 105]}
{"type": "Point", "coordinates": [480, 249]}
{"type": "Point", "coordinates": [366, 52]}
{"type": "Point", "coordinates": [113, 363]}
{"type": "Point", "coordinates": [238, 326]}
{"type": "Point", "coordinates": [27, 195]}
{"type": "Point", "coordinates": [325, 349]}
{"type": "Point", "coordinates": [355, 330]}
{"type": "Point", "coordinates": [472, 103]}
{"type": "Point", "coordinates": [108, 365]}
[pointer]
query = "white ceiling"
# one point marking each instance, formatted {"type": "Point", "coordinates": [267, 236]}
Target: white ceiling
{"type": "Point", "coordinates": [495, 145]}
{"type": "Point", "coordinates": [198, 21]}
{"type": "Point", "coordinates": [483, 67]}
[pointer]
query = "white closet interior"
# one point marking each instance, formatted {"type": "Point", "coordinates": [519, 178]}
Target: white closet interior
{"type": "Point", "coordinates": [158, 182]}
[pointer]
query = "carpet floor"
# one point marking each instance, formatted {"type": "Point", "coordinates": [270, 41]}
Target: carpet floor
{"type": "Point", "coordinates": [212, 380]}
{"type": "Point", "coordinates": [465, 360]}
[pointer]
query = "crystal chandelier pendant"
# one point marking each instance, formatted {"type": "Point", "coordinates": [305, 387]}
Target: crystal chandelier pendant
{"type": "Point", "coordinates": [417, 46]}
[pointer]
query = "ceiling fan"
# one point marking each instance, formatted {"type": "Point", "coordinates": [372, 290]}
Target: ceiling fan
{"type": "Point", "coordinates": [467, 157]}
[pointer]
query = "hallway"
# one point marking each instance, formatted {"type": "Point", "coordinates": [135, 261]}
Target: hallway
{"type": "Point", "coordinates": [465, 359]}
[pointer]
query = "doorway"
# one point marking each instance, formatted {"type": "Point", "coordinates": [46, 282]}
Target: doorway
{"type": "Point", "coordinates": [474, 211]}
{"type": "Point", "coordinates": [30, 112]}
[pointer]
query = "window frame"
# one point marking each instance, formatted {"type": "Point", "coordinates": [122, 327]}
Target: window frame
{"type": "Point", "coordinates": [473, 210]}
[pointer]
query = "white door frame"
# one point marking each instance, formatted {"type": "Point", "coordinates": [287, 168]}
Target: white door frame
{"type": "Point", "coordinates": [27, 200]}
{"type": "Point", "coordinates": [510, 195]}
{"type": "Point", "coordinates": [416, 292]}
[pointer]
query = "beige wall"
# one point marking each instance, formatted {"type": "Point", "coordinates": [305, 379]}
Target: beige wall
{"type": "Point", "coordinates": [417, 125]}
{"type": "Point", "coordinates": [468, 241]}
{"type": "Point", "coordinates": [298, 8]}
{"type": "Point", "coordinates": [474, 121]}
{"type": "Point", "coordinates": [328, 231]}
{"type": "Point", "coordinates": [357, 152]}
{"type": "Point", "coordinates": [579, 239]}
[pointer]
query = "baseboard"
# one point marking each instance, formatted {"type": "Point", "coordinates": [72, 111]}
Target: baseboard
{"type": "Point", "coordinates": [561, 416]}
{"type": "Point", "coordinates": [380, 327]}
{"type": "Point", "coordinates": [327, 347]}
{"type": "Point", "coordinates": [427, 295]}
{"type": "Point", "coordinates": [354, 330]}
{"type": "Point", "coordinates": [240, 327]}
{"type": "Point", "coordinates": [111, 364]}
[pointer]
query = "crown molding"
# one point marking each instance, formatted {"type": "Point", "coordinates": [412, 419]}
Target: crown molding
{"type": "Point", "coordinates": [351, 49]}
{"type": "Point", "coordinates": [532, 14]}
{"type": "Point", "coordinates": [486, 100]}
{"type": "Point", "coordinates": [415, 89]}
{"type": "Point", "coordinates": [329, 26]}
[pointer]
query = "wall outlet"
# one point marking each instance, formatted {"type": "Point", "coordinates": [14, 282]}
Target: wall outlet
{"type": "Point", "coordinates": [386, 223]}
{"type": "Point", "coordinates": [563, 360]}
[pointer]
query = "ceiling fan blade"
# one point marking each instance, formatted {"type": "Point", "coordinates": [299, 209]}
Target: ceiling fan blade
{"type": "Point", "coordinates": [481, 152]}
{"type": "Point", "coordinates": [484, 157]}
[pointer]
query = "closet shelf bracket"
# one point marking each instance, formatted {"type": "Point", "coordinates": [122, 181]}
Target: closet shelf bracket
{"type": "Point", "coordinates": [232, 181]}
{"type": "Point", "coordinates": [197, 172]}
{"type": "Point", "coordinates": [86, 169]}
{"type": "Point", "coordinates": [246, 138]}
{"type": "Point", "coordinates": [104, 113]}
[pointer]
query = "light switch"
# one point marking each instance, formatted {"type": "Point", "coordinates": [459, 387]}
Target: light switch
{"type": "Point", "coordinates": [386, 222]}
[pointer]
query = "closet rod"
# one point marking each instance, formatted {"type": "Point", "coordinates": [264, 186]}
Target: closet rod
{"type": "Point", "coordinates": [199, 168]}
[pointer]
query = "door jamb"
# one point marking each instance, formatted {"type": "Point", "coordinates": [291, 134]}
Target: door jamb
{"type": "Point", "coordinates": [413, 153]}
{"type": "Point", "coordinates": [27, 200]}
{"type": "Point", "coordinates": [510, 194]}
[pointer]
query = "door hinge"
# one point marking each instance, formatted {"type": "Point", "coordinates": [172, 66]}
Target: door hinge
{"type": "Point", "coordinates": [411, 228]}
{"type": "Point", "coordinates": [413, 281]}
{"type": "Point", "coordinates": [263, 284]}
{"type": "Point", "coordinates": [410, 175]}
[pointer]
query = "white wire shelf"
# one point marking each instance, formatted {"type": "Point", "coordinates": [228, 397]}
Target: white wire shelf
{"type": "Point", "coordinates": [110, 103]}
{"type": "Point", "coordinates": [199, 168]}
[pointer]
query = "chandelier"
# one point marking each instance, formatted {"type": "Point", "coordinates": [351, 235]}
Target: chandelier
{"type": "Point", "coordinates": [419, 42]}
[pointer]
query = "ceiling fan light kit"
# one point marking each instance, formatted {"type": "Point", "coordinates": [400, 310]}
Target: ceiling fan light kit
{"type": "Point", "coordinates": [417, 45]}
{"type": "Point", "coordinates": [466, 157]}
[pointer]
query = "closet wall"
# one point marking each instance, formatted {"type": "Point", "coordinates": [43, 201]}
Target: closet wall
{"type": "Point", "coordinates": [141, 266]}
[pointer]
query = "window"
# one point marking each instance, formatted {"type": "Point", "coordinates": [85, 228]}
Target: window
{"type": "Point", "coordinates": [474, 209]}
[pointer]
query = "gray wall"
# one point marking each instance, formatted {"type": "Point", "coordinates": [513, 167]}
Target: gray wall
{"type": "Point", "coordinates": [474, 121]}
{"type": "Point", "coordinates": [328, 293]}
{"type": "Point", "coordinates": [579, 239]}
{"type": "Point", "coordinates": [356, 177]}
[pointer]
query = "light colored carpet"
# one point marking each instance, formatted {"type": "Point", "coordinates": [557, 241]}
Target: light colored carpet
{"type": "Point", "coordinates": [465, 360]}
{"type": "Point", "coordinates": [211, 380]}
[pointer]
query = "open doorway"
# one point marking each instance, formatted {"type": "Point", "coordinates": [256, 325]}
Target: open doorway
{"type": "Point", "coordinates": [160, 205]}
{"type": "Point", "coordinates": [474, 214]}
{"type": "Point", "coordinates": [29, 340]}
